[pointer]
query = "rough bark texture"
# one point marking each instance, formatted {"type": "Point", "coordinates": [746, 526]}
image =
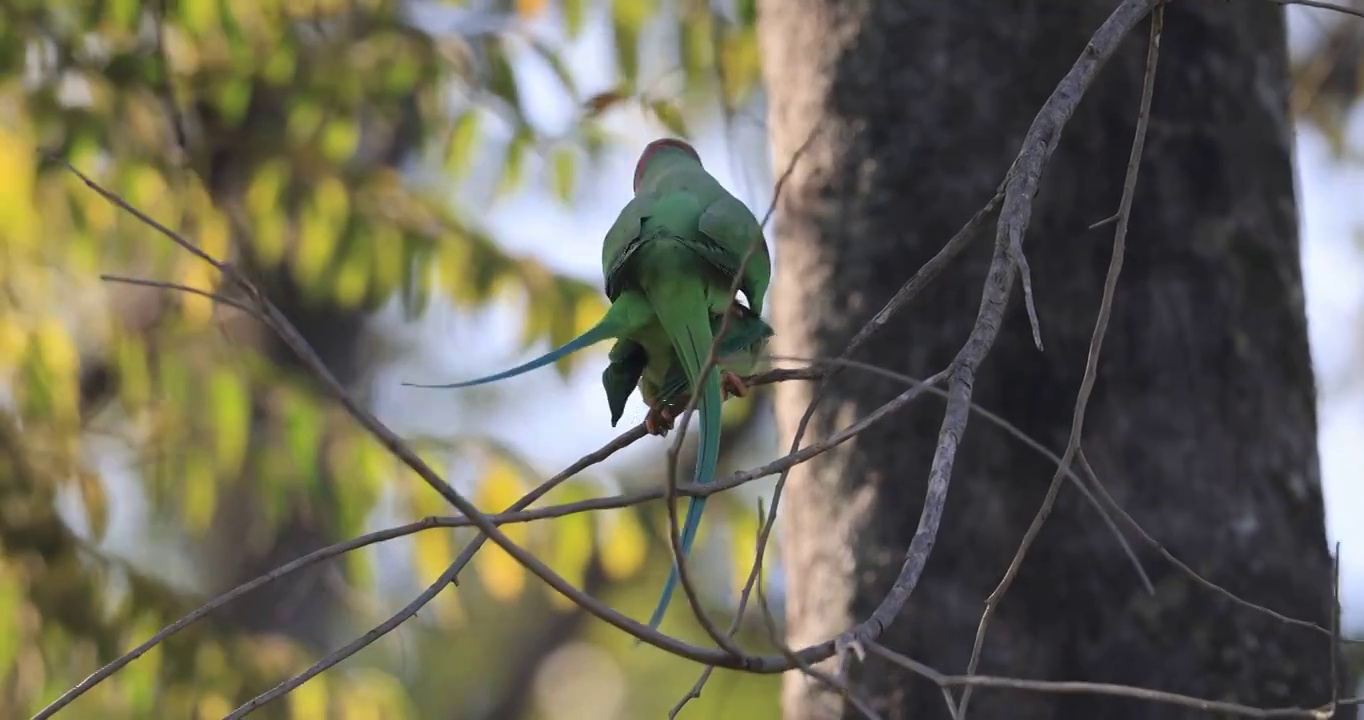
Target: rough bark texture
{"type": "Point", "coordinates": [1202, 423]}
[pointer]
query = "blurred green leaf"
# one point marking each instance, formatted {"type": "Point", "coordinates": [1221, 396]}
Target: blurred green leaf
{"type": "Point", "coordinates": [514, 163]}
{"type": "Point", "coordinates": [573, 16]}
{"type": "Point", "coordinates": [229, 403]}
{"type": "Point", "coordinates": [556, 63]}
{"type": "Point", "coordinates": [623, 543]}
{"type": "Point", "coordinates": [502, 575]}
{"type": "Point", "coordinates": [627, 22]}
{"type": "Point", "coordinates": [565, 165]}
{"type": "Point", "coordinates": [671, 118]}
{"type": "Point", "coordinates": [11, 630]}
{"type": "Point", "coordinates": [570, 542]}
{"type": "Point", "coordinates": [309, 700]}
{"type": "Point", "coordinates": [139, 680]}
{"type": "Point", "coordinates": [95, 501]}
{"type": "Point", "coordinates": [501, 77]}
{"type": "Point", "coordinates": [199, 493]}
{"type": "Point", "coordinates": [232, 99]}
{"type": "Point", "coordinates": [459, 149]}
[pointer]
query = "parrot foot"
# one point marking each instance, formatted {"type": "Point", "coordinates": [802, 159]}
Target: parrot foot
{"type": "Point", "coordinates": [732, 384]}
{"type": "Point", "coordinates": [659, 420]}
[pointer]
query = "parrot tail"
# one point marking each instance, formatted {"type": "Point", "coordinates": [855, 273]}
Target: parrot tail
{"type": "Point", "coordinates": [629, 312]}
{"type": "Point", "coordinates": [683, 312]}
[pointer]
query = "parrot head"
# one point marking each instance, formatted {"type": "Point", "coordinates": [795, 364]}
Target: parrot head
{"type": "Point", "coordinates": [665, 146]}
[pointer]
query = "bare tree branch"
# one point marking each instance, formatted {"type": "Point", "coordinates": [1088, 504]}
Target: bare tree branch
{"type": "Point", "coordinates": [1038, 145]}
{"type": "Point", "coordinates": [1089, 688]}
{"type": "Point", "coordinates": [1124, 216]}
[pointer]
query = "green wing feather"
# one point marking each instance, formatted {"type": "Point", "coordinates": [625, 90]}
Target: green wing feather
{"type": "Point", "coordinates": [627, 362]}
{"type": "Point", "coordinates": [681, 242]}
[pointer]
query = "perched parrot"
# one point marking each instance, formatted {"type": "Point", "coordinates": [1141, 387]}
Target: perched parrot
{"type": "Point", "coordinates": [669, 262]}
{"type": "Point", "coordinates": [664, 386]}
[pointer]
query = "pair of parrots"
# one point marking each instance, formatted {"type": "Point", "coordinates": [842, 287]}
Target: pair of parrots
{"type": "Point", "coordinates": [670, 262]}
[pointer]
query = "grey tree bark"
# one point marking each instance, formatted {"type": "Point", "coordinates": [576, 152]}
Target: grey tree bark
{"type": "Point", "coordinates": [1202, 423]}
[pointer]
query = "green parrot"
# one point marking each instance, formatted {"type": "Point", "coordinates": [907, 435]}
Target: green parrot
{"type": "Point", "coordinates": [664, 387]}
{"type": "Point", "coordinates": [669, 262]}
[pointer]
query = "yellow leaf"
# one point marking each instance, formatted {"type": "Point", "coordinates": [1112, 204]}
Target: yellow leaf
{"type": "Point", "coordinates": [360, 568]}
{"type": "Point", "coordinates": [59, 353]}
{"type": "Point", "coordinates": [668, 114]}
{"type": "Point", "coordinates": [229, 402]}
{"type": "Point", "coordinates": [211, 706]}
{"type": "Point", "coordinates": [316, 242]}
{"type": "Point", "coordinates": [587, 312]}
{"type": "Point", "coordinates": [197, 274]}
{"type": "Point", "coordinates": [199, 494]}
{"type": "Point", "coordinates": [140, 679]}
{"type": "Point", "coordinates": [372, 463]}
{"type": "Point", "coordinates": [433, 551]}
{"type": "Point", "coordinates": [623, 543]}
{"type": "Point", "coordinates": [11, 630]}
{"type": "Point", "coordinates": [214, 233]}
{"type": "Point", "coordinates": [309, 700]}
{"type": "Point", "coordinates": [147, 189]}
{"type": "Point", "coordinates": [263, 202]}
{"type": "Point", "coordinates": [340, 138]}
{"type": "Point", "coordinates": [513, 166]}
{"type": "Point", "coordinates": [744, 545]}
{"type": "Point", "coordinates": [95, 500]}
{"type": "Point", "coordinates": [383, 697]}
{"type": "Point", "coordinates": [200, 16]}
{"type": "Point", "coordinates": [627, 20]}
{"type": "Point", "coordinates": [13, 340]}
{"type": "Point", "coordinates": [573, 17]}
{"type": "Point", "coordinates": [18, 218]}
{"type": "Point", "coordinates": [459, 149]}
{"type": "Point", "coordinates": [386, 246]}
{"type": "Point", "coordinates": [423, 500]}
{"type": "Point", "coordinates": [332, 200]}
{"type": "Point", "coordinates": [305, 117]}
{"type": "Point", "coordinates": [501, 574]}
{"type": "Point", "coordinates": [267, 187]}
{"type": "Point", "coordinates": [59, 364]}
{"type": "Point", "coordinates": [564, 168]}
{"type": "Point", "coordinates": [530, 8]}
{"type": "Point", "coordinates": [570, 551]}
{"type": "Point", "coordinates": [740, 59]}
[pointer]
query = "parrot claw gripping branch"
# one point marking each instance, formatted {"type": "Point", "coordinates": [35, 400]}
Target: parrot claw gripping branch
{"type": "Point", "coordinates": [671, 262]}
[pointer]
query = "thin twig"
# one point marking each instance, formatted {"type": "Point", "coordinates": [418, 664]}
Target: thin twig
{"type": "Point", "coordinates": [723, 640]}
{"type": "Point", "coordinates": [1336, 7]}
{"type": "Point", "coordinates": [1014, 213]}
{"type": "Point", "coordinates": [447, 577]}
{"type": "Point", "coordinates": [1090, 688]}
{"type": "Point", "coordinates": [907, 292]}
{"type": "Point", "coordinates": [399, 449]}
{"type": "Point", "coordinates": [215, 297]}
{"type": "Point", "coordinates": [1180, 564]}
{"type": "Point", "coordinates": [1009, 428]}
{"type": "Point", "coordinates": [317, 556]}
{"type": "Point", "coordinates": [353, 647]}
{"type": "Point", "coordinates": [774, 635]}
{"type": "Point", "coordinates": [1095, 346]}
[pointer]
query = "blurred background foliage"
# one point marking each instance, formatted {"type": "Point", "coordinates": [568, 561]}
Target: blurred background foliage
{"type": "Point", "coordinates": [157, 448]}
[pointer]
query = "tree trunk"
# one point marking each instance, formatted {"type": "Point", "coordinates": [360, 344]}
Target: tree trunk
{"type": "Point", "coordinates": [1202, 423]}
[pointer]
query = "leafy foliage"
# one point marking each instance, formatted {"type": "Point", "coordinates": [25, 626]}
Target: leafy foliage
{"type": "Point", "coordinates": [314, 145]}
